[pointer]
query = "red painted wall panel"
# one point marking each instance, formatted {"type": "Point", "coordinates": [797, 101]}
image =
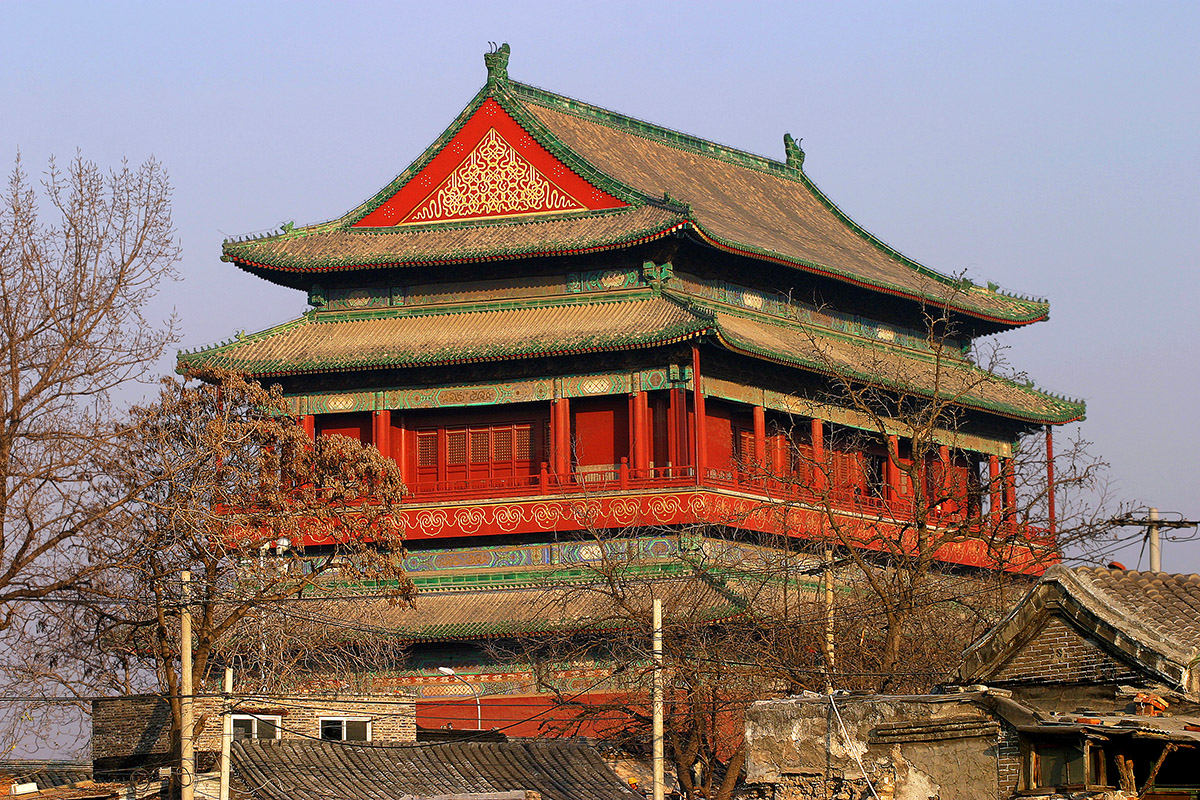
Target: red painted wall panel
{"type": "Point", "coordinates": [600, 431]}
{"type": "Point", "coordinates": [518, 715]}
{"type": "Point", "coordinates": [356, 425]}
{"type": "Point", "coordinates": [719, 429]}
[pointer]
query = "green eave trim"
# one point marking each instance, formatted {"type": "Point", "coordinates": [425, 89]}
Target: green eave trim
{"type": "Point", "coordinates": [1035, 311]}
{"type": "Point", "coordinates": [225, 354]}
{"type": "Point", "coordinates": [246, 256]}
{"type": "Point", "coordinates": [1069, 411]}
{"type": "Point", "coordinates": [494, 630]}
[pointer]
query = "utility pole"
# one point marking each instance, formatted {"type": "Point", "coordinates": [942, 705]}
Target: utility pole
{"type": "Point", "coordinates": [226, 731]}
{"type": "Point", "coordinates": [657, 733]}
{"type": "Point", "coordinates": [827, 581]}
{"type": "Point", "coordinates": [1153, 524]}
{"type": "Point", "coordinates": [187, 746]}
{"type": "Point", "coordinates": [1155, 544]}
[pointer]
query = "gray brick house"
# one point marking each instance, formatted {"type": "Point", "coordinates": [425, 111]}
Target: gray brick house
{"type": "Point", "coordinates": [133, 732]}
{"type": "Point", "coordinates": [1090, 687]}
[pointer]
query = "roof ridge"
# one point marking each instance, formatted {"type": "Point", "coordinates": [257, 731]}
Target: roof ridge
{"type": "Point", "coordinates": [635, 294]}
{"type": "Point", "coordinates": [638, 126]}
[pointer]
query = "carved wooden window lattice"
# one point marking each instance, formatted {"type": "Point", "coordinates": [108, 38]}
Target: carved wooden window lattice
{"type": "Point", "coordinates": [478, 452]}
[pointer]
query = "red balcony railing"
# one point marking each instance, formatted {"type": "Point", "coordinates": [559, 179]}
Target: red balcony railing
{"type": "Point", "coordinates": [604, 480]}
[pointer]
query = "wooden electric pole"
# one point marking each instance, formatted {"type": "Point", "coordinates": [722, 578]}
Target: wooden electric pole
{"type": "Point", "coordinates": [187, 746]}
{"type": "Point", "coordinates": [657, 733]}
{"type": "Point", "coordinates": [827, 580]}
{"type": "Point", "coordinates": [1155, 542]}
{"type": "Point", "coordinates": [1153, 524]}
{"type": "Point", "coordinates": [226, 731]}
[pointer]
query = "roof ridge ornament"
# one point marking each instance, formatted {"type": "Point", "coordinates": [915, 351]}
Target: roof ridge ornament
{"type": "Point", "coordinates": [795, 155]}
{"type": "Point", "coordinates": [496, 61]}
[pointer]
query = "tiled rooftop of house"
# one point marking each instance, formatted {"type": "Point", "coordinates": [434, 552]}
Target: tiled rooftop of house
{"type": "Point", "coordinates": [313, 770]}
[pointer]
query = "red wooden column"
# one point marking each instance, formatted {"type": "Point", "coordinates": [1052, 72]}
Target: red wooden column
{"type": "Point", "coordinates": [944, 488]}
{"type": "Point", "coordinates": [675, 398]}
{"type": "Point", "coordinates": [1050, 477]}
{"type": "Point", "coordinates": [891, 475]}
{"type": "Point", "coordinates": [642, 434]}
{"type": "Point", "coordinates": [994, 487]}
{"type": "Point", "coordinates": [398, 442]}
{"type": "Point", "coordinates": [561, 435]}
{"type": "Point", "coordinates": [309, 423]}
{"type": "Point", "coordinates": [779, 460]}
{"type": "Point", "coordinates": [381, 431]}
{"type": "Point", "coordinates": [1009, 480]}
{"type": "Point", "coordinates": [760, 441]}
{"type": "Point", "coordinates": [700, 423]}
{"type": "Point", "coordinates": [820, 469]}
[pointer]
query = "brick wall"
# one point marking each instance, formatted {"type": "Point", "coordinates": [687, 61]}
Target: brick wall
{"type": "Point", "coordinates": [1060, 654]}
{"type": "Point", "coordinates": [1008, 760]}
{"type": "Point", "coordinates": [815, 787]}
{"type": "Point", "coordinates": [134, 731]}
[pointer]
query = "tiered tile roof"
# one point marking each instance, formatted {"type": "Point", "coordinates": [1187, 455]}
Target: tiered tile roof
{"type": "Point", "coordinates": [322, 342]}
{"type": "Point", "coordinates": [669, 182]}
{"type": "Point", "coordinates": [401, 337]}
{"type": "Point", "coordinates": [478, 612]}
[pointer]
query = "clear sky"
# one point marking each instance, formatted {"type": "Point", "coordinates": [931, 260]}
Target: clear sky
{"type": "Point", "coordinates": [1050, 147]}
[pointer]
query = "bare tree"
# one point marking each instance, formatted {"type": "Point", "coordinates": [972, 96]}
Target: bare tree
{"type": "Point", "coordinates": [923, 498]}
{"type": "Point", "coordinates": [899, 610]}
{"type": "Point", "coordinates": [230, 487]}
{"type": "Point", "coordinates": [78, 264]}
{"type": "Point", "coordinates": [82, 254]}
{"type": "Point", "coordinates": [715, 597]}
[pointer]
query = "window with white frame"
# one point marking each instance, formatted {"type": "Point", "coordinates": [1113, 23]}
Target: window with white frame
{"type": "Point", "coordinates": [346, 729]}
{"type": "Point", "coordinates": [250, 726]}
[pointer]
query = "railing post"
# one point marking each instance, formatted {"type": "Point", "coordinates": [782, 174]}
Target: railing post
{"type": "Point", "coordinates": [623, 473]}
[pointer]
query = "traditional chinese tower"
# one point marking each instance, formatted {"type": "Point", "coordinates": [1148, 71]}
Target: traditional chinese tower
{"type": "Point", "coordinates": [560, 319]}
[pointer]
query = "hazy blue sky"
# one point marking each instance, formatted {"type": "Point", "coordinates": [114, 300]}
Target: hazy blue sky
{"type": "Point", "coordinates": [1049, 147]}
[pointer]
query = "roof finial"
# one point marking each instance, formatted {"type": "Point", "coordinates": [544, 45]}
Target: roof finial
{"type": "Point", "coordinates": [795, 156]}
{"type": "Point", "coordinates": [496, 61]}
